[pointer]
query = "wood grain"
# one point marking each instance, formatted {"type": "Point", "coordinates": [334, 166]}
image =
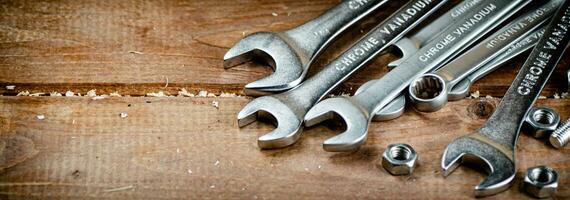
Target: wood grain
{"type": "Point", "coordinates": [186, 148]}
{"type": "Point", "coordinates": [137, 47]}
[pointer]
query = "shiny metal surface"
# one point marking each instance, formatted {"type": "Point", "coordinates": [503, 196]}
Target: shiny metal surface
{"type": "Point", "coordinates": [541, 122]}
{"type": "Point", "coordinates": [291, 52]}
{"type": "Point", "coordinates": [288, 109]}
{"type": "Point", "coordinates": [357, 111]}
{"type": "Point", "coordinates": [540, 182]}
{"type": "Point", "coordinates": [493, 146]}
{"type": "Point", "coordinates": [399, 159]}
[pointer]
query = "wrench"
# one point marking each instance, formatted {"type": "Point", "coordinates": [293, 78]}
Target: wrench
{"type": "Point", "coordinates": [357, 110]}
{"type": "Point", "coordinates": [461, 89]}
{"type": "Point", "coordinates": [493, 145]}
{"type": "Point", "coordinates": [428, 92]}
{"type": "Point", "coordinates": [288, 109]}
{"type": "Point", "coordinates": [396, 107]}
{"type": "Point", "coordinates": [291, 52]}
{"type": "Point", "coordinates": [410, 45]}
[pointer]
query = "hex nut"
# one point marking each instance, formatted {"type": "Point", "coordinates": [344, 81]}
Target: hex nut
{"type": "Point", "coordinates": [541, 122]}
{"type": "Point", "coordinates": [399, 159]}
{"type": "Point", "coordinates": [541, 181]}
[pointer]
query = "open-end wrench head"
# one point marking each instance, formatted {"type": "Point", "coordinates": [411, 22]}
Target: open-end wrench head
{"type": "Point", "coordinates": [428, 93]}
{"type": "Point", "coordinates": [459, 90]}
{"type": "Point", "coordinates": [289, 126]}
{"type": "Point", "coordinates": [393, 110]}
{"type": "Point", "coordinates": [407, 47]}
{"type": "Point", "coordinates": [356, 123]}
{"type": "Point", "coordinates": [276, 52]}
{"type": "Point", "coordinates": [476, 149]}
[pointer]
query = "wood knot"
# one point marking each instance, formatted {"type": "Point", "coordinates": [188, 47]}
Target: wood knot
{"type": "Point", "coordinates": [480, 109]}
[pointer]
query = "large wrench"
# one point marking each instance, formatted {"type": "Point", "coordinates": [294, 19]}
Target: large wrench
{"type": "Point", "coordinates": [493, 145]}
{"type": "Point", "coordinates": [291, 52]}
{"type": "Point", "coordinates": [357, 111]}
{"type": "Point", "coordinates": [288, 109]}
{"type": "Point", "coordinates": [428, 92]}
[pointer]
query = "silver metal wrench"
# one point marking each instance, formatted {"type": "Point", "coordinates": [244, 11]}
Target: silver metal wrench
{"type": "Point", "coordinates": [357, 111]}
{"type": "Point", "coordinates": [461, 89]}
{"type": "Point", "coordinates": [411, 44]}
{"type": "Point", "coordinates": [428, 92]}
{"type": "Point", "coordinates": [291, 52]}
{"type": "Point", "coordinates": [493, 146]}
{"type": "Point", "coordinates": [397, 106]}
{"type": "Point", "coordinates": [288, 109]}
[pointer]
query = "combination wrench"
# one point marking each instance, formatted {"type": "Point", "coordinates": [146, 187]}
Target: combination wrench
{"type": "Point", "coordinates": [429, 92]}
{"type": "Point", "coordinates": [493, 145]}
{"type": "Point", "coordinates": [396, 107]}
{"type": "Point", "coordinates": [357, 111]}
{"type": "Point", "coordinates": [287, 109]}
{"type": "Point", "coordinates": [291, 52]}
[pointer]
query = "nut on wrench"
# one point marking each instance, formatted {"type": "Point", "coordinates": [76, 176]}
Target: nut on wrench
{"type": "Point", "coordinates": [357, 110]}
{"type": "Point", "coordinates": [291, 52]}
{"type": "Point", "coordinates": [288, 109]}
{"type": "Point", "coordinates": [493, 145]}
{"type": "Point", "coordinates": [428, 92]}
{"type": "Point", "coordinates": [411, 44]}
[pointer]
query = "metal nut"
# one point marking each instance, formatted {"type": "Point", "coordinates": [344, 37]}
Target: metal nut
{"type": "Point", "coordinates": [399, 159]}
{"type": "Point", "coordinates": [541, 122]}
{"type": "Point", "coordinates": [541, 181]}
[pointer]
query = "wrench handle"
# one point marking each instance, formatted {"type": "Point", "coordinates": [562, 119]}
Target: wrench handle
{"type": "Point", "coordinates": [363, 51]}
{"type": "Point", "coordinates": [323, 29]}
{"type": "Point", "coordinates": [530, 81]}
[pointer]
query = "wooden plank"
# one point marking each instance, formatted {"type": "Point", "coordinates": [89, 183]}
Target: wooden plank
{"type": "Point", "coordinates": [187, 148]}
{"type": "Point", "coordinates": [137, 47]}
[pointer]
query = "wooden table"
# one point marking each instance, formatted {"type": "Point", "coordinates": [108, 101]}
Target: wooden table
{"type": "Point", "coordinates": [140, 146]}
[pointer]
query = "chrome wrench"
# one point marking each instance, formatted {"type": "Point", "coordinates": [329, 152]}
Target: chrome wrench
{"type": "Point", "coordinates": [428, 92]}
{"type": "Point", "coordinates": [493, 145]}
{"type": "Point", "coordinates": [288, 109]}
{"type": "Point", "coordinates": [291, 52]}
{"type": "Point", "coordinates": [357, 111]}
{"type": "Point", "coordinates": [461, 89]}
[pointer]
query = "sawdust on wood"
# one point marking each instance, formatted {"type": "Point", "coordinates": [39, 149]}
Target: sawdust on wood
{"type": "Point", "coordinates": [92, 93]}
{"type": "Point", "coordinates": [69, 94]}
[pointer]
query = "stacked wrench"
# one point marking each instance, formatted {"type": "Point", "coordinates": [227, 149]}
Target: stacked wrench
{"type": "Point", "coordinates": [357, 111]}
{"type": "Point", "coordinates": [493, 145]}
{"type": "Point", "coordinates": [461, 89]}
{"type": "Point", "coordinates": [429, 92]}
{"type": "Point", "coordinates": [288, 108]}
{"type": "Point", "coordinates": [291, 52]}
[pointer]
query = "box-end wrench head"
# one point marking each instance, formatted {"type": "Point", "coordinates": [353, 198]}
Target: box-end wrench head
{"type": "Point", "coordinates": [429, 92]}
{"type": "Point", "coordinates": [290, 53]}
{"type": "Point", "coordinates": [493, 145]}
{"type": "Point", "coordinates": [461, 89]}
{"type": "Point", "coordinates": [288, 109]}
{"type": "Point", "coordinates": [357, 111]}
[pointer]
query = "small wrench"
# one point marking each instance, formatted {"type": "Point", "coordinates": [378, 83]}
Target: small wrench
{"type": "Point", "coordinates": [461, 89]}
{"type": "Point", "coordinates": [493, 145]}
{"type": "Point", "coordinates": [357, 111]}
{"type": "Point", "coordinates": [428, 92]}
{"type": "Point", "coordinates": [291, 52]}
{"type": "Point", "coordinates": [410, 45]}
{"type": "Point", "coordinates": [396, 107]}
{"type": "Point", "coordinates": [288, 109]}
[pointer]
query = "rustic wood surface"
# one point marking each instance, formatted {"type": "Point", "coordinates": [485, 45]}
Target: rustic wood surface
{"type": "Point", "coordinates": [180, 147]}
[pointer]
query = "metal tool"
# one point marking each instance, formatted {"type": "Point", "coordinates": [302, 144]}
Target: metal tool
{"type": "Point", "coordinates": [561, 135]}
{"type": "Point", "coordinates": [410, 45]}
{"type": "Point", "coordinates": [291, 52]}
{"type": "Point", "coordinates": [428, 92]}
{"type": "Point", "coordinates": [288, 109]}
{"type": "Point", "coordinates": [493, 145]}
{"type": "Point", "coordinates": [460, 90]}
{"type": "Point", "coordinates": [357, 111]}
